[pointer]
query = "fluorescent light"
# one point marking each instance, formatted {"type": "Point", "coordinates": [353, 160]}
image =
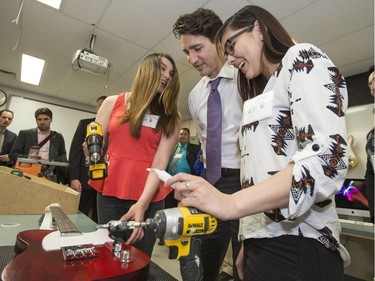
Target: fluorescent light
{"type": "Point", "coordinates": [31, 69]}
{"type": "Point", "coordinates": [53, 3]}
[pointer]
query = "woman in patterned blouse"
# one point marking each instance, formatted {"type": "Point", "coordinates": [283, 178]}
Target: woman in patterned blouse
{"type": "Point", "coordinates": [293, 154]}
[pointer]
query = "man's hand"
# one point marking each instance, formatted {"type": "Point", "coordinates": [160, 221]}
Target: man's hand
{"type": "Point", "coordinates": [76, 185]}
{"type": "Point", "coordinates": [4, 158]}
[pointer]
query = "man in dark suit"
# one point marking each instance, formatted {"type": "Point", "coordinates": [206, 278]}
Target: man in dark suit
{"type": "Point", "coordinates": [49, 145]}
{"type": "Point", "coordinates": [78, 169]}
{"type": "Point", "coordinates": [7, 137]}
{"type": "Point", "coordinates": [182, 161]}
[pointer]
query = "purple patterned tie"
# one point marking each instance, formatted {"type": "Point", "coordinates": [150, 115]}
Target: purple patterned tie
{"type": "Point", "coordinates": [213, 144]}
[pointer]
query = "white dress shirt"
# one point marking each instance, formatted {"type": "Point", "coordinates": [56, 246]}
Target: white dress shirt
{"type": "Point", "coordinates": [231, 114]}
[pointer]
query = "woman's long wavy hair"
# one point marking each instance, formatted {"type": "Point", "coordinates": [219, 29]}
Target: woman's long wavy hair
{"type": "Point", "coordinates": [276, 39]}
{"type": "Point", "coordinates": [145, 96]}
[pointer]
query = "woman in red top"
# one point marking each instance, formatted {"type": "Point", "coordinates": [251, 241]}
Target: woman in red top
{"type": "Point", "coordinates": [143, 127]}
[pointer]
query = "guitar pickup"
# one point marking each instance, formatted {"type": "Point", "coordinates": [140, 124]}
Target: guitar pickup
{"type": "Point", "coordinates": [79, 252]}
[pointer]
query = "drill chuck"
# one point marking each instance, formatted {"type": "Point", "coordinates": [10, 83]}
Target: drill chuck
{"type": "Point", "coordinates": [95, 157]}
{"type": "Point", "coordinates": [94, 144]}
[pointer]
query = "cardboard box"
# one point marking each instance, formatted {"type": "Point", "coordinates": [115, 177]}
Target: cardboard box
{"type": "Point", "coordinates": [31, 195]}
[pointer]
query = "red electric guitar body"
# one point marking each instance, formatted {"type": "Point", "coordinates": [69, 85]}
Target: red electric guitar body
{"type": "Point", "coordinates": [33, 263]}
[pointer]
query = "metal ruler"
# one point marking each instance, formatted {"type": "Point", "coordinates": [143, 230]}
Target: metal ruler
{"type": "Point", "coordinates": [64, 224]}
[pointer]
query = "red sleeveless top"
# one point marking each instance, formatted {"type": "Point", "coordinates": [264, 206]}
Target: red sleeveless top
{"type": "Point", "coordinates": [128, 159]}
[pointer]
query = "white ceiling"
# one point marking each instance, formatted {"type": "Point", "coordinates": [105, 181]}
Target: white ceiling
{"type": "Point", "coordinates": [127, 30]}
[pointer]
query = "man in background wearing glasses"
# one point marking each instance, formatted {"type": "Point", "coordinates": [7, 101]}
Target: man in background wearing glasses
{"type": "Point", "coordinates": [196, 32]}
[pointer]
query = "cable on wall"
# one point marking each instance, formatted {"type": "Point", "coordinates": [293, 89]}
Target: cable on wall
{"type": "Point", "coordinates": [16, 21]}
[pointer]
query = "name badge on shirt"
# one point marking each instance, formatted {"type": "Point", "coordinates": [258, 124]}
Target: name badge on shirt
{"type": "Point", "coordinates": [178, 155]}
{"type": "Point", "coordinates": [258, 108]}
{"type": "Point", "coordinates": [150, 120]}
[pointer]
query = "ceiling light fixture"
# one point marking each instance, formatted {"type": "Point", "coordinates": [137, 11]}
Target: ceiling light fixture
{"type": "Point", "coordinates": [31, 69]}
{"type": "Point", "coordinates": [53, 3]}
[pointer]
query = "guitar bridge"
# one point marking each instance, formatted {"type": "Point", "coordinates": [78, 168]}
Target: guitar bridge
{"type": "Point", "coordinates": [79, 252]}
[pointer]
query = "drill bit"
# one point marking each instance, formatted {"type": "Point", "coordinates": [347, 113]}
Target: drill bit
{"type": "Point", "coordinates": [121, 225]}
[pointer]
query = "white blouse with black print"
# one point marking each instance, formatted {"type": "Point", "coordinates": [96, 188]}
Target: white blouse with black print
{"type": "Point", "coordinates": [299, 118]}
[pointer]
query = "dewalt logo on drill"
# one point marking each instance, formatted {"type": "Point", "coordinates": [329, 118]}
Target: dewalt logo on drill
{"type": "Point", "coordinates": [195, 225]}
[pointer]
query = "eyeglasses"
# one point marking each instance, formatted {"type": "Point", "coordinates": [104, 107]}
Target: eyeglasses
{"type": "Point", "coordinates": [229, 44]}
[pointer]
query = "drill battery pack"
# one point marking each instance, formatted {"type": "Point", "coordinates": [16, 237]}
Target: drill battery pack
{"type": "Point", "coordinates": [98, 171]}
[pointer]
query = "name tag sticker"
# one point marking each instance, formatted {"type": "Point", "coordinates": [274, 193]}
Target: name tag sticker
{"type": "Point", "coordinates": [178, 155]}
{"type": "Point", "coordinates": [258, 108]}
{"type": "Point", "coordinates": [150, 120]}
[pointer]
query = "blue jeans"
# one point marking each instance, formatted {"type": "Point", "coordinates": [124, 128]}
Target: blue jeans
{"type": "Point", "coordinates": [112, 208]}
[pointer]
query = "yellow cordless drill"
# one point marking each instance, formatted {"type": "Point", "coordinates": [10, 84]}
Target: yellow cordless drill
{"type": "Point", "coordinates": [177, 228]}
{"type": "Point", "coordinates": [94, 140]}
{"type": "Point", "coordinates": [174, 227]}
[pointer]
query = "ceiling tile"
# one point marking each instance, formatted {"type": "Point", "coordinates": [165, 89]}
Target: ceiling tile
{"type": "Point", "coordinates": [126, 31]}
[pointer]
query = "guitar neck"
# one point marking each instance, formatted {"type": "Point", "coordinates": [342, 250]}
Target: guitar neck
{"type": "Point", "coordinates": [64, 224]}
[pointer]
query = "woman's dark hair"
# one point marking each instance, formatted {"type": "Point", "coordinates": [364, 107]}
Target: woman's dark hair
{"type": "Point", "coordinates": [276, 39]}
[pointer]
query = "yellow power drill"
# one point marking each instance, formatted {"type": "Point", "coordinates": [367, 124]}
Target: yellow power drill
{"type": "Point", "coordinates": [174, 227]}
{"type": "Point", "coordinates": [178, 229]}
{"type": "Point", "coordinates": [94, 140]}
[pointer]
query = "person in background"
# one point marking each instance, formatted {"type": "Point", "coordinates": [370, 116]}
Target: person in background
{"type": "Point", "coordinates": [184, 155]}
{"type": "Point", "coordinates": [219, 141]}
{"type": "Point", "coordinates": [78, 169]}
{"type": "Point", "coordinates": [143, 125]}
{"type": "Point", "coordinates": [369, 176]}
{"type": "Point", "coordinates": [7, 137]}
{"type": "Point", "coordinates": [293, 160]}
{"type": "Point", "coordinates": [46, 144]}
{"type": "Point", "coordinates": [182, 161]}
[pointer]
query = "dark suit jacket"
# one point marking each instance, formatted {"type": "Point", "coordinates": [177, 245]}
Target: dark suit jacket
{"type": "Point", "coordinates": [192, 151]}
{"type": "Point", "coordinates": [77, 166]}
{"type": "Point", "coordinates": [9, 138]}
{"type": "Point", "coordinates": [27, 138]}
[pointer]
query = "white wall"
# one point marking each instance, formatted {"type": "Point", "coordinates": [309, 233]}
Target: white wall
{"type": "Point", "coordinates": [66, 115]}
{"type": "Point", "coordinates": [359, 121]}
{"type": "Point", "coordinates": [64, 120]}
